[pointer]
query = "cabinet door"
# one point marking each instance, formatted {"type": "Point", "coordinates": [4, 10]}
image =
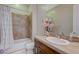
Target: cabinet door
{"type": "Point", "coordinates": [46, 49]}
{"type": "Point", "coordinates": [43, 49]}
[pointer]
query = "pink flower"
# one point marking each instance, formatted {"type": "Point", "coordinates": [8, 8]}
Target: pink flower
{"type": "Point", "coordinates": [48, 24]}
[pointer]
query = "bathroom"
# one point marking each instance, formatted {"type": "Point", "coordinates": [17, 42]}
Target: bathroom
{"type": "Point", "coordinates": [22, 30]}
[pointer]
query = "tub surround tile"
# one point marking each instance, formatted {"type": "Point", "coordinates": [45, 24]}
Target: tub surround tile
{"type": "Point", "coordinates": [20, 26]}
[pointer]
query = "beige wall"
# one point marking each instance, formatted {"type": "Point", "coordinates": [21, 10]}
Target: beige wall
{"type": "Point", "coordinates": [64, 18]}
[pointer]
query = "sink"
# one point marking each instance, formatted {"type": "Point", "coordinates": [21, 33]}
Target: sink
{"type": "Point", "coordinates": [57, 41]}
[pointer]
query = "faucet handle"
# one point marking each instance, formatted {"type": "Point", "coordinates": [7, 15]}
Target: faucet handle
{"type": "Point", "coordinates": [58, 35]}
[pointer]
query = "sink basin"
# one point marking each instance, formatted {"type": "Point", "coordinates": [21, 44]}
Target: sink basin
{"type": "Point", "coordinates": [57, 41]}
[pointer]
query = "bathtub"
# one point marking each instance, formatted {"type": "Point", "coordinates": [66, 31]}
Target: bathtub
{"type": "Point", "coordinates": [22, 46]}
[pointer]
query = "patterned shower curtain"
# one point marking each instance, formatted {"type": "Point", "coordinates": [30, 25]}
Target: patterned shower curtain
{"type": "Point", "coordinates": [6, 28]}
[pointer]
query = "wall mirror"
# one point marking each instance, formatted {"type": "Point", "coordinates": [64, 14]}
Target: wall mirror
{"type": "Point", "coordinates": [62, 15]}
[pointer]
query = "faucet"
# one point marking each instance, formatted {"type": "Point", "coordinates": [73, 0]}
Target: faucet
{"type": "Point", "coordinates": [57, 35]}
{"type": "Point", "coordinates": [60, 35]}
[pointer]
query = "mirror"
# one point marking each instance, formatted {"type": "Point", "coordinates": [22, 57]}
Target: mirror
{"type": "Point", "coordinates": [62, 16]}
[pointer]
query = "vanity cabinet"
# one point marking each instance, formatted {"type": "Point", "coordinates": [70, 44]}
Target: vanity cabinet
{"type": "Point", "coordinates": [41, 48]}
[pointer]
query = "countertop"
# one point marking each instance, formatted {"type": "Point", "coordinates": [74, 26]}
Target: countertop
{"type": "Point", "coordinates": [72, 48]}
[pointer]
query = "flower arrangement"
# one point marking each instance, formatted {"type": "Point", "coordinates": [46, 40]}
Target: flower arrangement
{"type": "Point", "coordinates": [48, 26]}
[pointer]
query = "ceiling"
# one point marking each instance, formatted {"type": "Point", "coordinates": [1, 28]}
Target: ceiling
{"type": "Point", "coordinates": [28, 7]}
{"type": "Point", "coordinates": [47, 7]}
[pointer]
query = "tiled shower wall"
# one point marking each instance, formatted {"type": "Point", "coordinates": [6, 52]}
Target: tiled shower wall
{"type": "Point", "coordinates": [29, 17]}
{"type": "Point", "coordinates": [20, 26]}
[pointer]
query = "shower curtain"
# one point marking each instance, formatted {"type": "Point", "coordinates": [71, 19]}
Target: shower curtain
{"type": "Point", "coordinates": [6, 28]}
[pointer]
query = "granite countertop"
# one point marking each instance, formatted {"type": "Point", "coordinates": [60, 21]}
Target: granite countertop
{"type": "Point", "coordinates": [72, 48]}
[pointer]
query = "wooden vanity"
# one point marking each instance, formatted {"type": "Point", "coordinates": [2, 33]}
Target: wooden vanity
{"type": "Point", "coordinates": [42, 46]}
